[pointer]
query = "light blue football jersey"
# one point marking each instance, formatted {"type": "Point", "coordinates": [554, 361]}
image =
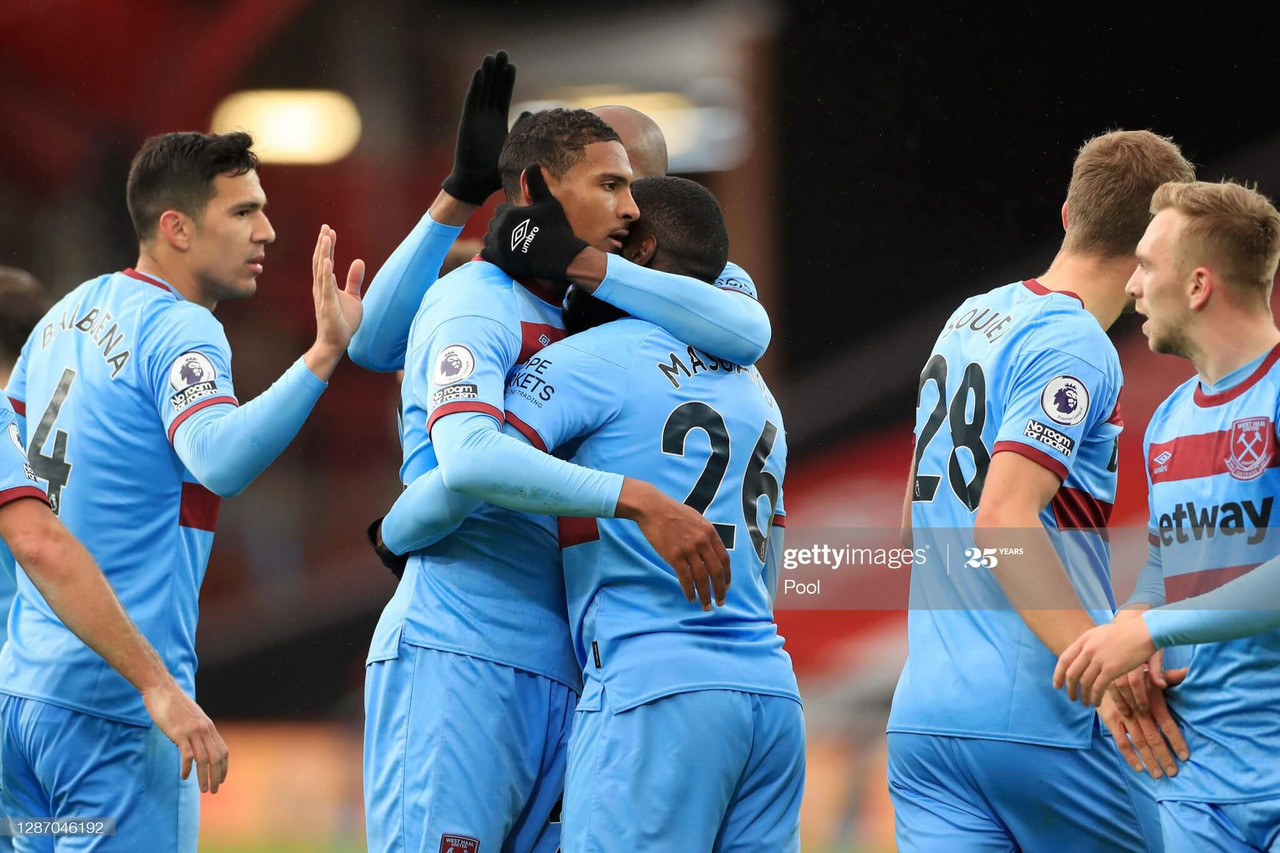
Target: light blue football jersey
{"type": "Point", "coordinates": [628, 398]}
{"type": "Point", "coordinates": [17, 480]}
{"type": "Point", "coordinates": [8, 588]}
{"type": "Point", "coordinates": [1025, 370]}
{"type": "Point", "coordinates": [1213, 477]}
{"type": "Point", "coordinates": [493, 588]}
{"type": "Point", "coordinates": [104, 381]}
{"type": "Point", "coordinates": [736, 278]}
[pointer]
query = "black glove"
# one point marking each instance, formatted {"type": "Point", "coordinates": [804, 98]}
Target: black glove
{"type": "Point", "coordinates": [534, 241]}
{"type": "Point", "coordinates": [482, 131]}
{"type": "Point", "coordinates": [389, 558]}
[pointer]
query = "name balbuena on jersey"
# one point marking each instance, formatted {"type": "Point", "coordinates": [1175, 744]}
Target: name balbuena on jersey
{"type": "Point", "coordinates": [104, 382]}
{"type": "Point", "coordinates": [493, 588]}
{"type": "Point", "coordinates": [627, 397]}
{"type": "Point", "coordinates": [1213, 475]}
{"type": "Point", "coordinates": [1025, 370]}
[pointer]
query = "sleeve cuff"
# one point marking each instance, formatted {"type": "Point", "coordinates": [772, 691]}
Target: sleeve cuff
{"type": "Point", "coordinates": [303, 374]}
{"type": "Point", "coordinates": [1158, 624]}
{"type": "Point", "coordinates": [612, 265]}
{"type": "Point", "coordinates": [1139, 597]}
{"type": "Point", "coordinates": [613, 492]}
{"type": "Point", "coordinates": [439, 229]}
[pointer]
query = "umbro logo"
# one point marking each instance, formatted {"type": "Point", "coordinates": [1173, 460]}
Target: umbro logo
{"type": "Point", "coordinates": [1161, 462]}
{"type": "Point", "coordinates": [523, 234]}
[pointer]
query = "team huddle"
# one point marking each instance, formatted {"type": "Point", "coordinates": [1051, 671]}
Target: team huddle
{"type": "Point", "coordinates": [580, 653]}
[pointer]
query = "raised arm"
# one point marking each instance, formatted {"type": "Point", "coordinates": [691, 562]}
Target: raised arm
{"type": "Point", "coordinates": [399, 285]}
{"type": "Point", "coordinates": [225, 446]}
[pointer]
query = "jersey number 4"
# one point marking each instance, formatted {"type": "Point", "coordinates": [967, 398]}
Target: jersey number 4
{"type": "Point", "coordinates": [965, 432]}
{"type": "Point", "coordinates": [55, 468]}
{"type": "Point", "coordinates": [756, 483]}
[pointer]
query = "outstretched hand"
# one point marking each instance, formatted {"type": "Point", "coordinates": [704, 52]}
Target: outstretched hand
{"type": "Point", "coordinates": [338, 312]}
{"type": "Point", "coordinates": [482, 131]}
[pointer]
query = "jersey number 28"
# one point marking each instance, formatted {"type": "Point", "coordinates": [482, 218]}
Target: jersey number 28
{"type": "Point", "coordinates": [965, 432]}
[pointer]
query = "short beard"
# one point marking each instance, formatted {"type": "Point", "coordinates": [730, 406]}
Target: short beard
{"type": "Point", "coordinates": [1174, 342]}
{"type": "Point", "coordinates": [219, 291]}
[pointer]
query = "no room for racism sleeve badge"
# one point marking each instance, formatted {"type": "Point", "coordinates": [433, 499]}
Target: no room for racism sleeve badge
{"type": "Point", "coordinates": [191, 376]}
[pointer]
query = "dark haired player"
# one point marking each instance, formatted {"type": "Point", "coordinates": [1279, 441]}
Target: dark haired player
{"type": "Point", "coordinates": [478, 621]}
{"type": "Point", "coordinates": [734, 329]}
{"type": "Point", "coordinates": [703, 706]}
{"type": "Point", "coordinates": [131, 420]}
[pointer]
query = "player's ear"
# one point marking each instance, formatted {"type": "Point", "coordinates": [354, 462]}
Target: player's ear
{"type": "Point", "coordinates": [1064, 216]}
{"type": "Point", "coordinates": [1199, 288]}
{"type": "Point", "coordinates": [176, 229]}
{"type": "Point", "coordinates": [642, 251]}
{"type": "Point", "coordinates": [526, 198]}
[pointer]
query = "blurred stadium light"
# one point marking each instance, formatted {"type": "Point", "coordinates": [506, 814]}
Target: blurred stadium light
{"type": "Point", "coordinates": [298, 126]}
{"type": "Point", "coordinates": [706, 130]}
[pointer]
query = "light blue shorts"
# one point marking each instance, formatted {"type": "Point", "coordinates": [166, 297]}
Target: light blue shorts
{"type": "Point", "coordinates": [462, 754]}
{"type": "Point", "coordinates": [711, 770]}
{"type": "Point", "coordinates": [55, 762]}
{"type": "Point", "coordinates": [1191, 827]}
{"type": "Point", "coordinates": [990, 796]}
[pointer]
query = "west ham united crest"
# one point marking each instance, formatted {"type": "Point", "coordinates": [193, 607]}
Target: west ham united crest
{"type": "Point", "coordinates": [458, 844]}
{"type": "Point", "coordinates": [1252, 445]}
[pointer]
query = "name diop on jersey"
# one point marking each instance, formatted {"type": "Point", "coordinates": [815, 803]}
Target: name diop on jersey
{"type": "Point", "coordinates": [94, 324]}
{"type": "Point", "coordinates": [1226, 519]}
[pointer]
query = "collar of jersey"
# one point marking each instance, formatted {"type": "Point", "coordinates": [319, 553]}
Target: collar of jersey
{"type": "Point", "coordinates": [1040, 290]}
{"type": "Point", "coordinates": [152, 280]}
{"type": "Point", "coordinates": [532, 286]}
{"type": "Point", "coordinates": [1206, 399]}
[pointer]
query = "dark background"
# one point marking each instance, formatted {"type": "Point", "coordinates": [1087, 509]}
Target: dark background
{"type": "Point", "coordinates": [926, 149]}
